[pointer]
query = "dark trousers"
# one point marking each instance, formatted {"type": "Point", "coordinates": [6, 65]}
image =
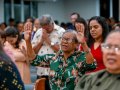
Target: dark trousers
{"type": "Point", "coordinates": [47, 86]}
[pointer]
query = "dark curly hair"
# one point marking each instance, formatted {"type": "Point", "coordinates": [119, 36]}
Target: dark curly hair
{"type": "Point", "coordinates": [104, 25]}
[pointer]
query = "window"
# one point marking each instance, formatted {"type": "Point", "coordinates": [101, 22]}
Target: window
{"type": "Point", "coordinates": [20, 10]}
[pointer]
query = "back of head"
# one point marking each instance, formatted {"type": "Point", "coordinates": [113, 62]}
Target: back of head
{"type": "Point", "coordinates": [11, 22]}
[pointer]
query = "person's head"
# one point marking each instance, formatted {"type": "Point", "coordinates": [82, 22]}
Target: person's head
{"type": "Point", "coordinates": [74, 16]}
{"type": "Point", "coordinates": [56, 22]}
{"type": "Point", "coordinates": [108, 21]}
{"type": "Point", "coordinates": [69, 41]}
{"type": "Point", "coordinates": [2, 37]}
{"type": "Point", "coordinates": [116, 26]}
{"type": "Point", "coordinates": [11, 22]}
{"type": "Point", "coordinates": [82, 21]}
{"type": "Point", "coordinates": [47, 23]}
{"type": "Point", "coordinates": [111, 52]}
{"type": "Point", "coordinates": [30, 19]}
{"type": "Point", "coordinates": [37, 23]}
{"type": "Point", "coordinates": [20, 26]}
{"type": "Point", "coordinates": [98, 29]}
{"type": "Point", "coordinates": [13, 36]}
{"type": "Point", "coordinates": [3, 26]}
{"type": "Point", "coordinates": [112, 21]}
{"type": "Point", "coordinates": [63, 25]}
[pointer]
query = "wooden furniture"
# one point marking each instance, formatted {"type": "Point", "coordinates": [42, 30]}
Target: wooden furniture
{"type": "Point", "coordinates": [40, 84]}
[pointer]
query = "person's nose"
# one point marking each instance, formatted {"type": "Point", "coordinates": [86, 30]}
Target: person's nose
{"type": "Point", "coordinates": [92, 29]}
{"type": "Point", "coordinates": [112, 50]}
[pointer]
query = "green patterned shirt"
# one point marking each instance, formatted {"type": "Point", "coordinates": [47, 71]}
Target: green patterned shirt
{"type": "Point", "coordinates": [64, 73]}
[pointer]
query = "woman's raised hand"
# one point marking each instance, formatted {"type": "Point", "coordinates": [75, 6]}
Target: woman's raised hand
{"type": "Point", "coordinates": [81, 38]}
{"type": "Point", "coordinates": [27, 31]}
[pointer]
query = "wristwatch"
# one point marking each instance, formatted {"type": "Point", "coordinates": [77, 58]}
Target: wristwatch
{"type": "Point", "coordinates": [52, 44]}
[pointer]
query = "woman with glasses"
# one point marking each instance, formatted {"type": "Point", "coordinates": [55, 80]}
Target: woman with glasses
{"type": "Point", "coordinates": [98, 30]}
{"type": "Point", "coordinates": [109, 78]}
{"type": "Point", "coordinates": [67, 65]}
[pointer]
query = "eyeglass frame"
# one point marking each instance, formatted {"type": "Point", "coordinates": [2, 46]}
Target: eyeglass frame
{"type": "Point", "coordinates": [69, 40]}
{"type": "Point", "coordinates": [109, 47]}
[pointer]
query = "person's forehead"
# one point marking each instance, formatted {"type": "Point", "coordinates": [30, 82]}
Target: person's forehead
{"type": "Point", "coordinates": [37, 20]}
{"type": "Point", "coordinates": [20, 24]}
{"type": "Point", "coordinates": [114, 37]}
{"type": "Point", "coordinates": [94, 22]}
{"type": "Point", "coordinates": [74, 16]}
{"type": "Point", "coordinates": [46, 25]}
{"type": "Point", "coordinates": [68, 34]}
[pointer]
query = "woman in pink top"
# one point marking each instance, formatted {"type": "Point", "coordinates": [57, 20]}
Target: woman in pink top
{"type": "Point", "coordinates": [15, 48]}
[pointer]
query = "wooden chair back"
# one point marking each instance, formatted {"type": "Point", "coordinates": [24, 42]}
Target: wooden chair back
{"type": "Point", "coordinates": [40, 84]}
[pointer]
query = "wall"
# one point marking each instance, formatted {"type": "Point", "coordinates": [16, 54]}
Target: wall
{"type": "Point", "coordinates": [1, 11]}
{"type": "Point", "coordinates": [55, 9]}
{"type": "Point", "coordinates": [61, 9]}
{"type": "Point", "coordinates": [86, 8]}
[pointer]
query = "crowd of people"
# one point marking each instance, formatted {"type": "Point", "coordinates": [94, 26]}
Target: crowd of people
{"type": "Point", "coordinates": [80, 55]}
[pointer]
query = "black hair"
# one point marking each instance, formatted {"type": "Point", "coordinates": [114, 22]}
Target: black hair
{"type": "Point", "coordinates": [12, 32]}
{"type": "Point", "coordinates": [4, 24]}
{"type": "Point", "coordinates": [104, 25]}
{"type": "Point", "coordinates": [75, 13]}
{"type": "Point", "coordinates": [11, 20]}
{"type": "Point", "coordinates": [31, 19]}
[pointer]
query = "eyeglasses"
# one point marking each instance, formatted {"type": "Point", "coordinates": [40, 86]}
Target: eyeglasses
{"type": "Point", "coordinates": [108, 47]}
{"type": "Point", "coordinates": [69, 40]}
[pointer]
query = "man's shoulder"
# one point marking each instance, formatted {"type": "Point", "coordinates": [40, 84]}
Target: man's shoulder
{"type": "Point", "coordinates": [58, 28]}
{"type": "Point", "coordinates": [39, 30]}
{"type": "Point", "coordinates": [96, 73]}
{"type": "Point", "coordinates": [93, 75]}
{"type": "Point", "coordinates": [37, 35]}
{"type": "Point", "coordinates": [89, 80]}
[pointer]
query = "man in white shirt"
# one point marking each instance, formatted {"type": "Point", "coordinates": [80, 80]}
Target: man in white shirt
{"type": "Point", "coordinates": [46, 41]}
